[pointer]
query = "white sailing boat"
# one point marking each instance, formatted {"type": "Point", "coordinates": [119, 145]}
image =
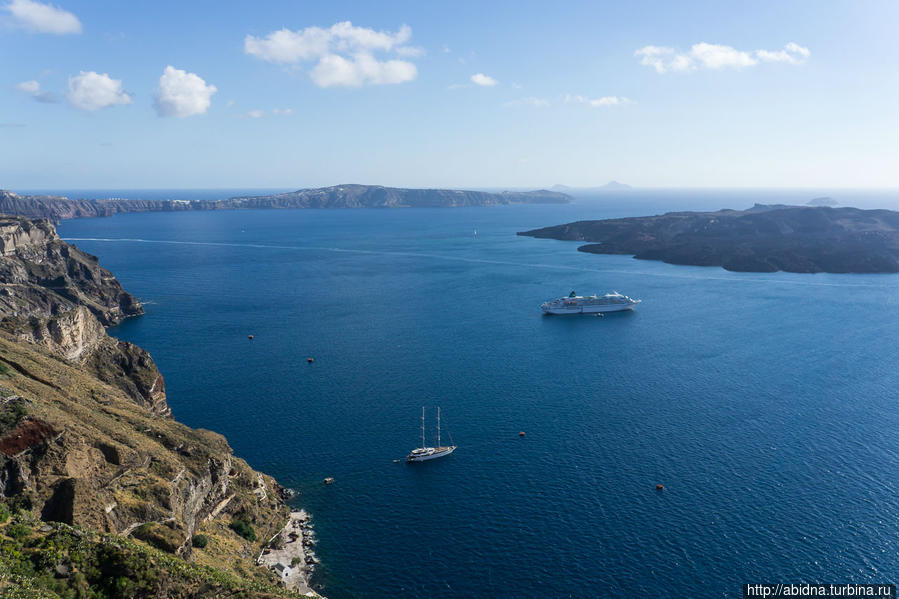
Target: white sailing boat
{"type": "Point", "coordinates": [429, 453]}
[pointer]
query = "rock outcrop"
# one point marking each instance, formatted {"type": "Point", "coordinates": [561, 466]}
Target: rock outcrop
{"type": "Point", "coordinates": [761, 239]}
{"type": "Point", "coordinates": [56, 208]}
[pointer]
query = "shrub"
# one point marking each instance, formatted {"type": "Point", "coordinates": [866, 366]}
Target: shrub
{"type": "Point", "coordinates": [4, 513]}
{"type": "Point", "coordinates": [296, 561]}
{"type": "Point", "coordinates": [199, 541]}
{"type": "Point", "coordinates": [18, 531]}
{"type": "Point", "coordinates": [243, 528]}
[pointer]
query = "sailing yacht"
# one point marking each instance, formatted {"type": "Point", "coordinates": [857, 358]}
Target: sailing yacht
{"type": "Point", "coordinates": [429, 453]}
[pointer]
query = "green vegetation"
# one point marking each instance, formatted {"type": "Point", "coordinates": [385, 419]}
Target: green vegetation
{"type": "Point", "coordinates": [243, 528]}
{"type": "Point", "coordinates": [199, 541]}
{"type": "Point", "coordinates": [11, 412]}
{"type": "Point", "coordinates": [70, 563]}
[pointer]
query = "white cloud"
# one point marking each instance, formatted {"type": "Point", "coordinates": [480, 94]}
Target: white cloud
{"type": "Point", "coordinates": [29, 87]}
{"type": "Point", "coordinates": [483, 80]}
{"type": "Point", "coordinates": [529, 101]}
{"type": "Point", "coordinates": [716, 56]}
{"type": "Point", "coordinates": [344, 53]}
{"type": "Point", "coordinates": [93, 91]}
{"type": "Point", "coordinates": [182, 94]}
{"type": "Point", "coordinates": [43, 18]}
{"type": "Point", "coordinates": [360, 69]}
{"type": "Point", "coordinates": [792, 53]}
{"type": "Point", "coordinates": [258, 114]}
{"type": "Point", "coordinates": [597, 102]}
{"type": "Point", "coordinates": [33, 89]}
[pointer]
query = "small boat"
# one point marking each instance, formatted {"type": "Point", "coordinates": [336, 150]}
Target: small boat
{"type": "Point", "coordinates": [424, 453]}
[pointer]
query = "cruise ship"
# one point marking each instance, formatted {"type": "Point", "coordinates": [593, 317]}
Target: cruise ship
{"type": "Point", "coordinates": [590, 304]}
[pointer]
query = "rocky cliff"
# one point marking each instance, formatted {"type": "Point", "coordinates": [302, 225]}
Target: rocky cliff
{"type": "Point", "coordinates": [761, 239]}
{"type": "Point", "coordinates": [86, 435]}
{"type": "Point", "coordinates": [56, 208]}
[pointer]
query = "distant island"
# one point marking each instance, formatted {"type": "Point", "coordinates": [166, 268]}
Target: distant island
{"type": "Point", "coordinates": [56, 208]}
{"type": "Point", "coordinates": [762, 239]}
{"type": "Point", "coordinates": [823, 201]}
{"type": "Point", "coordinates": [610, 186]}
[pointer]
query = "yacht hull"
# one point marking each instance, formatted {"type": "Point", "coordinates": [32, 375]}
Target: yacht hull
{"type": "Point", "coordinates": [438, 453]}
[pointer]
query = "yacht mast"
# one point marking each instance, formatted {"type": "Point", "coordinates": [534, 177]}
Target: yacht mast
{"type": "Point", "coordinates": [438, 426]}
{"type": "Point", "coordinates": [422, 426]}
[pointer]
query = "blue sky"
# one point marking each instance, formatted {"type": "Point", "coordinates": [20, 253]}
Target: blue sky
{"type": "Point", "coordinates": [448, 94]}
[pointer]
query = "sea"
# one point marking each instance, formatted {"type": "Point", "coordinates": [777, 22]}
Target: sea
{"type": "Point", "coordinates": [766, 404]}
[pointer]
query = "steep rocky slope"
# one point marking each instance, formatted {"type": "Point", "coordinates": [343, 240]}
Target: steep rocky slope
{"type": "Point", "coordinates": [86, 435]}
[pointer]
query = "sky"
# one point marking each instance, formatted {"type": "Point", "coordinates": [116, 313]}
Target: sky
{"type": "Point", "coordinates": [291, 94]}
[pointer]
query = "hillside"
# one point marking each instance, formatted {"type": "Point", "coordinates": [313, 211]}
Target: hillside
{"type": "Point", "coordinates": [761, 239]}
{"type": "Point", "coordinates": [88, 444]}
{"type": "Point", "coordinates": [56, 208]}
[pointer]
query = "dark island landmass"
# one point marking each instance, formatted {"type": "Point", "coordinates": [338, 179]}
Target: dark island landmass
{"type": "Point", "coordinates": [762, 239]}
{"type": "Point", "coordinates": [102, 492]}
{"type": "Point", "coordinates": [57, 208]}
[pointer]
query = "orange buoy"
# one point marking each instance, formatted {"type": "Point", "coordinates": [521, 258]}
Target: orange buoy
{"type": "Point", "coordinates": [310, 360]}
{"type": "Point", "coordinates": [249, 336]}
{"type": "Point", "coordinates": [660, 487]}
{"type": "Point", "coordinates": [521, 434]}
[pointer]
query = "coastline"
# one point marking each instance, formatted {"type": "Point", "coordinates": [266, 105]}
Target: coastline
{"type": "Point", "coordinates": [289, 553]}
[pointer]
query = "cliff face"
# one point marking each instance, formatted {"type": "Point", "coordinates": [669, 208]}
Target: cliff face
{"type": "Point", "coordinates": [761, 239]}
{"type": "Point", "coordinates": [86, 436]}
{"type": "Point", "coordinates": [56, 208]}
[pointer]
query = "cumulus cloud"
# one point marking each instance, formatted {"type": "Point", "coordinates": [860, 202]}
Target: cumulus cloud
{"type": "Point", "coordinates": [42, 18]}
{"type": "Point", "coordinates": [33, 89]}
{"type": "Point", "coordinates": [716, 56]}
{"type": "Point", "coordinates": [792, 53]}
{"type": "Point", "coordinates": [343, 54]}
{"type": "Point", "coordinates": [334, 69]}
{"type": "Point", "coordinates": [93, 91]}
{"type": "Point", "coordinates": [484, 80]}
{"type": "Point", "coordinates": [182, 94]}
{"type": "Point", "coordinates": [597, 102]}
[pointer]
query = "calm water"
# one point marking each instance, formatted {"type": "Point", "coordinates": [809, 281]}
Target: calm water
{"type": "Point", "coordinates": [765, 403]}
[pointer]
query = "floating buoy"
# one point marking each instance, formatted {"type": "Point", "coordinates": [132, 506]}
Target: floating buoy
{"type": "Point", "coordinates": [521, 434]}
{"type": "Point", "coordinates": [660, 487]}
{"type": "Point", "coordinates": [249, 336]}
{"type": "Point", "coordinates": [328, 480]}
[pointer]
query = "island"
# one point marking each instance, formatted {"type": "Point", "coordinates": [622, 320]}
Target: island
{"type": "Point", "coordinates": [764, 238]}
{"type": "Point", "coordinates": [56, 208]}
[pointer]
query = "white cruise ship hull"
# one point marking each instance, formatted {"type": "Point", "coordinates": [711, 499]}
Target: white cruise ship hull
{"type": "Point", "coordinates": [438, 453]}
{"type": "Point", "coordinates": [587, 309]}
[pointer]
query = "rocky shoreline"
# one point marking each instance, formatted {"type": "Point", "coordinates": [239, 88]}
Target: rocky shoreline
{"type": "Point", "coordinates": [289, 553]}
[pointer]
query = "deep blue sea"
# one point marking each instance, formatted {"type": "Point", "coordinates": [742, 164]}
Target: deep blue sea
{"type": "Point", "coordinates": [765, 403]}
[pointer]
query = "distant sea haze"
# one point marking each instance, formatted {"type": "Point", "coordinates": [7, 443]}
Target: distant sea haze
{"type": "Point", "coordinates": [758, 400]}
